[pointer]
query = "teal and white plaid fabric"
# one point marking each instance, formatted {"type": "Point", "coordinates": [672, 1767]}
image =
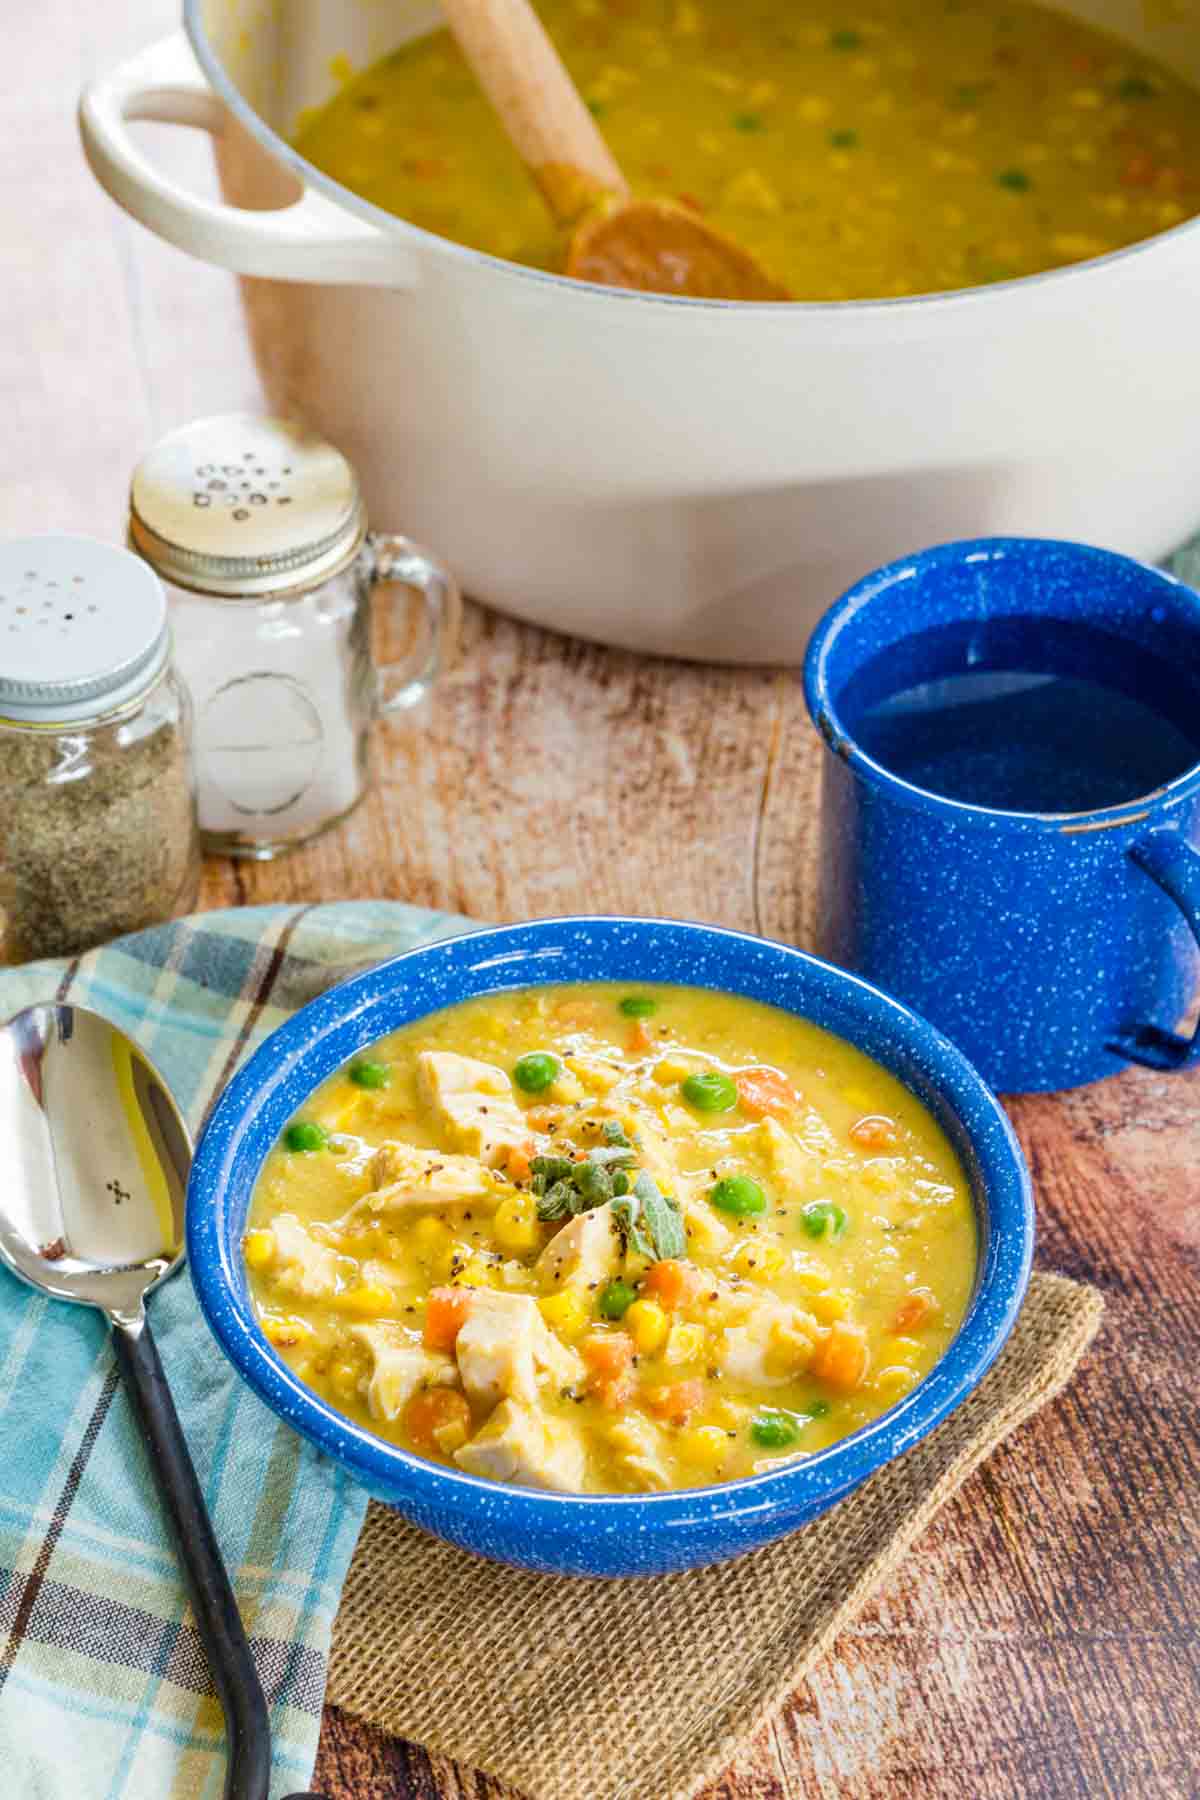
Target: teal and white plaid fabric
{"type": "Point", "coordinates": [104, 1692]}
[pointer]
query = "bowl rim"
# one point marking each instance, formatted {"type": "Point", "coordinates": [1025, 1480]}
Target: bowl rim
{"type": "Point", "coordinates": [517, 956]}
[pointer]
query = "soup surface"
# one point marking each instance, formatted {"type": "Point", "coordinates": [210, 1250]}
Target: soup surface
{"type": "Point", "coordinates": [594, 1239]}
{"type": "Point", "coordinates": [915, 146]}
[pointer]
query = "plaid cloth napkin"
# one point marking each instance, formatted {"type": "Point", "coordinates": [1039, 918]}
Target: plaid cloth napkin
{"type": "Point", "coordinates": [104, 1692]}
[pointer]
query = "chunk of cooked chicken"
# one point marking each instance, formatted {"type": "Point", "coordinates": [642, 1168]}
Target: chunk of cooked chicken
{"type": "Point", "coordinates": [400, 1364]}
{"type": "Point", "coordinates": [401, 1176]}
{"type": "Point", "coordinates": [638, 1445]}
{"type": "Point", "coordinates": [304, 1266]}
{"type": "Point", "coordinates": [473, 1101]}
{"type": "Point", "coordinates": [584, 1253]}
{"type": "Point", "coordinates": [504, 1349]}
{"type": "Point", "coordinates": [771, 1344]}
{"type": "Point", "coordinates": [521, 1445]}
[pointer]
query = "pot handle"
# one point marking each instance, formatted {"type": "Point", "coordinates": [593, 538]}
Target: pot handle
{"type": "Point", "coordinates": [311, 240]}
{"type": "Point", "coordinates": [1168, 858]}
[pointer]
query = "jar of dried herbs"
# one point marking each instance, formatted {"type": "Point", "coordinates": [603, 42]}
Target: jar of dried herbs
{"type": "Point", "coordinates": [98, 831]}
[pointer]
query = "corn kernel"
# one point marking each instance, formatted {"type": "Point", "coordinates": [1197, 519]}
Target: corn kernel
{"type": "Point", "coordinates": [671, 1068]}
{"type": "Point", "coordinates": [473, 1272]}
{"type": "Point", "coordinates": [567, 1313]}
{"type": "Point", "coordinates": [684, 1343]}
{"type": "Point", "coordinates": [258, 1247]}
{"type": "Point", "coordinates": [647, 1325]}
{"type": "Point", "coordinates": [343, 1379]}
{"type": "Point", "coordinates": [283, 1333]}
{"type": "Point", "coordinates": [369, 1300]}
{"type": "Point", "coordinates": [900, 1349]}
{"type": "Point", "coordinates": [790, 1348]}
{"type": "Point", "coordinates": [895, 1381]}
{"type": "Point", "coordinates": [566, 1089]}
{"type": "Point", "coordinates": [515, 1224]}
{"type": "Point", "coordinates": [830, 1305]}
{"type": "Point", "coordinates": [812, 1281]}
{"type": "Point", "coordinates": [705, 1445]}
{"type": "Point", "coordinates": [761, 1262]}
{"type": "Point", "coordinates": [450, 1437]}
{"type": "Point", "coordinates": [430, 1237]}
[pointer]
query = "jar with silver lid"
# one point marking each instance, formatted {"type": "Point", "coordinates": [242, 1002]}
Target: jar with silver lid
{"type": "Point", "coordinates": [97, 810]}
{"type": "Point", "coordinates": [259, 530]}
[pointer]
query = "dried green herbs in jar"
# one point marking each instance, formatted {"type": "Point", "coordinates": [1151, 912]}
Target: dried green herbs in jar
{"type": "Point", "coordinates": [97, 820]}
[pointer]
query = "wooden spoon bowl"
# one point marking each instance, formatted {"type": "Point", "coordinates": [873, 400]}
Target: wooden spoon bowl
{"type": "Point", "coordinates": [654, 245]}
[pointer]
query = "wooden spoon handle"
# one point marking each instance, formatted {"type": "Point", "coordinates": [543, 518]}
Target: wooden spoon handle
{"type": "Point", "coordinates": [537, 103]}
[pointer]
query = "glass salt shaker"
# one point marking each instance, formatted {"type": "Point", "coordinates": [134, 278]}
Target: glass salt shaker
{"type": "Point", "coordinates": [259, 530]}
{"type": "Point", "coordinates": [97, 811]}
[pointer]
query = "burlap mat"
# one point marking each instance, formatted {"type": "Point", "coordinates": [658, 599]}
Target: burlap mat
{"type": "Point", "coordinates": [541, 1680]}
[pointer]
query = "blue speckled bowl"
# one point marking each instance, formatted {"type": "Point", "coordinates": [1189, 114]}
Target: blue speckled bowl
{"type": "Point", "coordinates": [598, 1534]}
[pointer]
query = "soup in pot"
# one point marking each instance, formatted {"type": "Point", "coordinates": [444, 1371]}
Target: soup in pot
{"type": "Point", "coordinates": [597, 1239]}
{"type": "Point", "coordinates": [910, 147]}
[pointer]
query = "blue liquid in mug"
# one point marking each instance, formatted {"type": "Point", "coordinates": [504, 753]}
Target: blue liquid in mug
{"type": "Point", "coordinates": [1027, 715]}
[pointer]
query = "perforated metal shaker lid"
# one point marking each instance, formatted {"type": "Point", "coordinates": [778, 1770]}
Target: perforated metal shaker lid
{"type": "Point", "coordinates": [83, 629]}
{"type": "Point", "coordinates": [243, 506]}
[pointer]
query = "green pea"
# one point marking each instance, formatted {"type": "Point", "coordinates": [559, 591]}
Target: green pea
{"type": "Point", "coordinates": [306, 1135]}
{"type": "Point", "coordinates": [637, 1006]}
{"type": "Point", "coordinates": [823, 1216]}
{"type": "Point", "coordinates": [738, 1195]}
{"type": "Point", "coordinates": [1015, 180]}
{"type": "Point", "coordinates": [818, 1409]}
{"type": "Point", "coordinates": [774, 1430]}
{"type": "Point", "coordinates": [535, 1072]}
{"type": "Point", "coordinates": [616, 1299]}
{"type": "Point", "coordinates": [620, 1183]}
{"type": "Point", "coordinates": [710, 1092]}
{"type": "Point", "coordinates": [370, 1074]}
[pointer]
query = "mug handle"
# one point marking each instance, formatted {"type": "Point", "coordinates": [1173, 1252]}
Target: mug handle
{"type": "Point", "coordinates": [399, 563]}
{"type": "Point", "coordinates": [1167, 857]}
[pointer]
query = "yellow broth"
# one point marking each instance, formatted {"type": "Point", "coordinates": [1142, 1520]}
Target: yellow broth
{"type": "Point", "coordinates": [826, 1239]}
{"type": "Point", "coordinates": [910, 147]}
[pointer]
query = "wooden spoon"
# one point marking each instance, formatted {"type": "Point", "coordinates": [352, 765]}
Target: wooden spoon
{"type": "Point", "coordinates": [654, 245]}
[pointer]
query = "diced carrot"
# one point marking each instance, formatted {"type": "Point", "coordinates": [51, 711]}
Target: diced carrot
{"type": "Point", "coordinates": [876, 1132]}
{"type": "Point", "coordinates": [639, 1037]}
{"type": "Point", "coordinates": [609, 1357]}
{"type": "Point", "coordinates": [673, 1283]}
{"type": "Point", "coordinates": [1139, 171]}
{"type": "Point", "coordinates": [519, 1162]}
{"type": "Point", "coordinates": [677, 1403]}
{"type": "Point", "coordinates": [607, 1353]}
{"type": "Point", "coordinates": [913, 1311]}
{"type": "Point", "coordinates": [429, 1411]}
{"type": "Point", "coordinates": [445, 1315]}
{"type": "Point", "coordinates": [841, 1358]}
{"type": "Point", "coordinates": [765, 1092]}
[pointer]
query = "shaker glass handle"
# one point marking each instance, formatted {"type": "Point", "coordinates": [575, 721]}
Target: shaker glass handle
{"type": "Point", "coordinates": [401, 564]}
{"type": "Point", "coordinates": [1169, 859]}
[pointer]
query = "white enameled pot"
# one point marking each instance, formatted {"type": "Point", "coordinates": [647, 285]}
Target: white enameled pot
{"type": "Point", "coordinates": [692, 477]}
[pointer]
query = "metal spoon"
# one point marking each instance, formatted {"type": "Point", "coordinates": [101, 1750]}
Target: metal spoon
{"type": "Point", "coordinates": [94, 1161]}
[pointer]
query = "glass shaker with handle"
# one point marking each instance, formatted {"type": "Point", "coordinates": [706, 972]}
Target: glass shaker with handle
{"type": "Point", "coordinates": [259, 531]}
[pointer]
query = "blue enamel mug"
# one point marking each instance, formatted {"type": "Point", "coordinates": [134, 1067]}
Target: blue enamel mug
{"type": "Point", "coordinates": [1011, 795]}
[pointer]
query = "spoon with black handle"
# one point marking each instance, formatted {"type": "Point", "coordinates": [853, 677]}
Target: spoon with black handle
{"type": "Point", "coordinates": [94, 1161]}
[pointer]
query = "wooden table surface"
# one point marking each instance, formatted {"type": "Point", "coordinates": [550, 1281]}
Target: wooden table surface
{"type": "Point", "coordinates": [1042, 1639]}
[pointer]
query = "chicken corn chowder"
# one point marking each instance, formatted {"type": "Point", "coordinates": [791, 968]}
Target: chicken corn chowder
{"type": "Point", "coordinates": [607, 1239]}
